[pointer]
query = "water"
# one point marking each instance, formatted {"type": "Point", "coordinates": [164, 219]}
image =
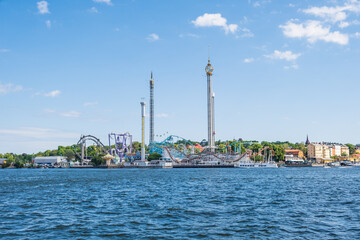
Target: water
{"type": "Point", "coordinates": [290, 203]}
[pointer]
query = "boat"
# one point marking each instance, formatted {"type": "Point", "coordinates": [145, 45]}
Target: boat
{"type": "Point", "coordinates": [250, 164]}
{"type": "Point", "coordinates": [297, 163]}
{"type": "Point", "coordinates": [346, 164]}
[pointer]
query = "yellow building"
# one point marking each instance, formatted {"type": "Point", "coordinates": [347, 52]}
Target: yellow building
{"type": "Point", "coordinates": [315, 151]}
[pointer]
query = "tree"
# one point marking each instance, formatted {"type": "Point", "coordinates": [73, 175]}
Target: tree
{"type": "Point", "coordinates": [344, 154]}
{"type": "Point", "coordinates": [256, 147]}
{"type": "Point", "coordinates": [97, 160]}
{"type": "Point", "coordinates": [351, 148]}
{"type": "Point", "coordinates": [154, 156]}
{"type": "Point", "coordinates": [136, 146]}
{"type": "Point", "coordinates": [19, 164]}
{"type": "Point", "coordinates": [69, 154]}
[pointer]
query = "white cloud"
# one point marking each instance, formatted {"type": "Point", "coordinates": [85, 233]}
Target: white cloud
{"type": "Point", "coordinates": [162, 115]}
{"type": "Point", "coordinates": [189, 35]}
{"type": "Point", "coordinates": [72, 114]}
{"type": "Point", "coordinates": [48, 23]}
{"type": "Point", "coordinates": [336, 13]}
{"type": "Point", "coordinates": [108, 2]}
{"type": "Point", "coordinates": [248, 60]}
{"type": "Point", "coordinates": [215, 20]}
{"type": "Point", "coordinates": [287, 55]}
{"type": "Point", "coordinates": [93, 10]}
{"type": "Point", "coordinates": [344, 24]}
{"type": "Point", "coordinates": [313, 31]}
{"type": "Point", "coordinates": [88, 104]}
{"type": "Point", "coordinates": [357, 35]}
{"type": "Point", "coordinates": [291, 5]}
{"type": "Point", "coordinates": [8, 88]}
{"type": "Point", "coordinates": [4, 50]}
{"type": "Point", "coordinates": [293, 66]}
{"type": "Point", "coordinates": [54, 93]}
{"type": "Point", "coordinates": [256, 4]}
{"type": "Point", "coordinates": [246, 33]}
{"type": "Point", "coordinates": [153, 37]}
{"type": "Point", "coordinates": [43, 7]}
{"type": "Point", "coordinates": [333, 14]}
{"type": "Point", "coordinates": [39, 133]}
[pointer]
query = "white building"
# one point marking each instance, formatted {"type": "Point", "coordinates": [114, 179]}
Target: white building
{"type": "Point", "coordinates": [51, 160]}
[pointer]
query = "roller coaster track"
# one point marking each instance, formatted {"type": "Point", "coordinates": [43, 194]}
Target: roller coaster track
{"type": "Point", "coordinates": [273, 153]}
{"type": "Point", "coordinates": [85, 138]}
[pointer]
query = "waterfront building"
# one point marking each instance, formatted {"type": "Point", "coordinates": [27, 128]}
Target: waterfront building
{"type": "Point", "coordinates": [294, 152]}
{"type": "Point", "coordinates": [336, 150]}
{"type": "Point", "coordinates": [345, 149]}
{"type": "Point", "coordinates": [50, 160]}
{"type": "Point", "coordinates": [324, 151]}
{"type": "Point", "coordinates": [314, 151]}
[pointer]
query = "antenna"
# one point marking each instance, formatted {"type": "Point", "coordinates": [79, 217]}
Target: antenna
{"type": "Point", "coordinates": [209, 52]}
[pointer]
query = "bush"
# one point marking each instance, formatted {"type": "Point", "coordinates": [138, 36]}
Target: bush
{"type": "Point", "coordinates": [97, 160]}
{"type": "Point", "coordinates": [18, 164]}
{"type": "Point", "coordinates": [154, 156]}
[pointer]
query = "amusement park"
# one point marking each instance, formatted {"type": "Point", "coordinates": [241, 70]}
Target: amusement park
{"type": "Point", "coordinates": [173, 151]}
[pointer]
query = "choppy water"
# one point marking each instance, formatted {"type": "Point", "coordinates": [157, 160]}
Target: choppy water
{"type": "Point", "coordinates": [297, 203]}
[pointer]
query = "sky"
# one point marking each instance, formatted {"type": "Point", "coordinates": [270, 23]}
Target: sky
{"type": "Point", "coordinates": [282, 70]}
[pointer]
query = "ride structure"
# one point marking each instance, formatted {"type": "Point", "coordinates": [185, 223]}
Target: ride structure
{"type": "Point", "coordinates": [181, 150]}
{"type": "Point", "coordinates": [122, 145]}
{"type": "Point", "coordinates": [81, 144]}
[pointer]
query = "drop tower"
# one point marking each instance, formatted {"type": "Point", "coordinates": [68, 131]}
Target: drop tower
{"type": "Point", "coordinates": [210, 107]}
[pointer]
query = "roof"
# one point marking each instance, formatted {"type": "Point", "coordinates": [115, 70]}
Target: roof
{"type": "Point", "coordinates": [292, 150]}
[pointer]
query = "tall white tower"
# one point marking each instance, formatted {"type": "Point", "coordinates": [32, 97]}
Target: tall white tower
{"type": "Point", "coordinates": [142, 131]}
{"type": "Point", "coordinates": [209, 69]}
{"type": "Point", "coordinates": [213, 118]}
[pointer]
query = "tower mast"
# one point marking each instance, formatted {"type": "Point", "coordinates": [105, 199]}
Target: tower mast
{"type": "Point", "coordinates": [209, 69]}
{"type": "Point", "coordinates": [142, 131]}
{"type": "Point", "coordinates": [151, 109]}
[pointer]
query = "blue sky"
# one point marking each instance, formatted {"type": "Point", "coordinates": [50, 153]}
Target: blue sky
{"type": "Point", "coordinates": [282, 69]}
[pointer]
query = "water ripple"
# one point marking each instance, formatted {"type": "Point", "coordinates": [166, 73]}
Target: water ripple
{"type": "Point", "coordinates": [309, 203]}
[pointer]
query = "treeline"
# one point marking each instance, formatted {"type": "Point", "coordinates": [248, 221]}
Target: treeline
{"type": "Point", "coordinates": [19, 160]}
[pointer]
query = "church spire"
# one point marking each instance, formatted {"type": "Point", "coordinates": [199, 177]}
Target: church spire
{"type": "Point", "coordinates": [307, 140]}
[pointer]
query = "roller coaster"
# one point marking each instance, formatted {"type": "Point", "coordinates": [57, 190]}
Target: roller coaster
{"type": "Point", "coordinates": [122, 145]}
{"type": "Point", "coordinates": [181, 150]}
{"type": "Point", "coordinates": [81, 144]}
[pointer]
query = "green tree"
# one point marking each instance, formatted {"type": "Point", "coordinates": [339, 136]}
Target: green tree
{"type": "Point", "coordinates": [344, 154]}
{"type": "Point", "coordinates": [61, 150]}
{"type": "Point", "coordinates": [154, 156]}
{"type": "Point", "coordinates": [136, 146]}
{"type": "Point", "coordinates": [69, 154]}
{"type": "Point", "coordinates": [256, 147]}
{"type": "Point", "coordinates": [97, 160]}
{"type": "Point", "coordinates": [351, 148]}
{"type": "Point", "coordinates": [19, 164]}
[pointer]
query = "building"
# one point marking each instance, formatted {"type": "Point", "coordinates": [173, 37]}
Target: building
{"type": "Point", "coordinates": [314, 151]}
{"type": "Point", "coordinates": [324, 151]}
{"type": "Point", "coordinates": [336, 150]}
{"type": "Point", "coordinates": [346, 150]}
{"type": "Point", "coordinates": [294, 152]}
{"type": "Point", "coordinates": [50, 160]}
